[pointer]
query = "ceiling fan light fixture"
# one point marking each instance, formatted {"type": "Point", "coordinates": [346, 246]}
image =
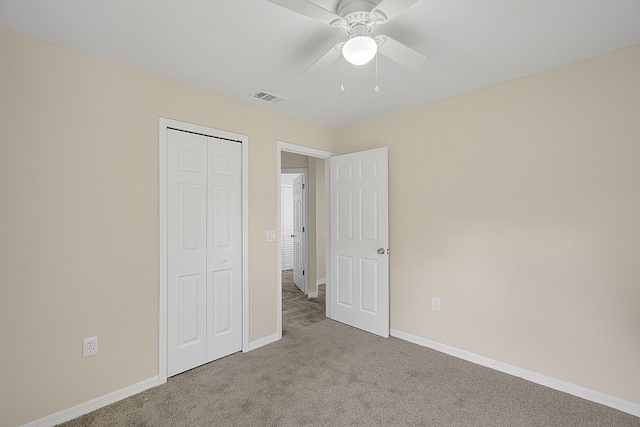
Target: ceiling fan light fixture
{"type": "Point", "coordinates": [359, 50]}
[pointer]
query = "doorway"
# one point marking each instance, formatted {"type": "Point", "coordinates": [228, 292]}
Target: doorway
{"type": "Point", "coordinates": [292, 158]}
{"type": "Point", "coordinates": [356, 197]}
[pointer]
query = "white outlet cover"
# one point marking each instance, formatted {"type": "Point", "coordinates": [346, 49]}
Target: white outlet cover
{"type": "Point", "coordinates": [89, 346]}
{"type": "Point", "coordinates": [435, 303]}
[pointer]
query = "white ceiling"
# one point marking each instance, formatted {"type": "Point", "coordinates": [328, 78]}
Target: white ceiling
{"type": "Point", "coordinates": [236, 48]}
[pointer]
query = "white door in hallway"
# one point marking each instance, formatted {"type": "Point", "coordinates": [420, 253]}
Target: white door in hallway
{"type": "Point", "coordinates": [358, 185]}
{"type": "Point", "coordinates": [299, 274]}
{"type": "Point", "coordinates": [286, 226]}
{"type": "Point", "coordinates": [204, 211]}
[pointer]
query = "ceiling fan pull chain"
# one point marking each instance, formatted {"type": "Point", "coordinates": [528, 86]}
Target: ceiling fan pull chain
{"type": "Point", "coordinates": [377, 88]}
{"type": "Point", "coordinates": [342, 75]}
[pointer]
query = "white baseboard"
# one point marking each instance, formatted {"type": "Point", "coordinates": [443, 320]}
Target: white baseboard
{"type": "Point", "coordinates": [554, 383]}
{"type": "Point", "coordinates": [107, 399]}
{"type": "Point", "coordinates": [97, 403]}
{"type": "Point", "coordinates": [319, 282]}
{"type": "Point", "coordinates": [263, 341]}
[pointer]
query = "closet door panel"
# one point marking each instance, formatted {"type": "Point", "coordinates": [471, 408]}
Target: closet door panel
{"type": "Point", "coordinates": [187, 249]}
{"type": "Point", "coordinates": [224, 253]}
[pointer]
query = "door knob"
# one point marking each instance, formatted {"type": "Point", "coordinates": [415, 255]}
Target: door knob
{"type": "Point", "coordinates": [293, 235]}
{"type": "Point", "coordinates": [380, 251]}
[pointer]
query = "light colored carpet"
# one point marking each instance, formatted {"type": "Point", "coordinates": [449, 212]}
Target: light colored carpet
{"type": "Point", "coordinates": [329, 374]}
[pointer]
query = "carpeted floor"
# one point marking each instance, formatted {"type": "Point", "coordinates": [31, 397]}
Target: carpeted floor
{"type": "Point", "coordinates": [329, 374]}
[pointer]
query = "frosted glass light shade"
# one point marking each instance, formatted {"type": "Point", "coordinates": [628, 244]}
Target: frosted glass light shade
{"type": "Point", "coordinates": [359, 50]}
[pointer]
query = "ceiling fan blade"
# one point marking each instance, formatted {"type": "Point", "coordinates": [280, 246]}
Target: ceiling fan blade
{"type": "Point", "coordinates": [326, 60]}
{"type": "Point", "coordinates": [310, 10]}
{"type": "Point", "coordinates": [391, 8]}
{"type": "Point", "coordinates": [398, 52]}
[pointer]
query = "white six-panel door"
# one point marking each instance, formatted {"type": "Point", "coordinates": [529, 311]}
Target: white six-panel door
{"type": "Point", "coordinates": [224, 253]}
{"type": "Point", "coordinates": [298, 233]}
{"type": "Point", "coordinates": [358, 186]}
{"type": "Point", "coordinates": [204, 241]}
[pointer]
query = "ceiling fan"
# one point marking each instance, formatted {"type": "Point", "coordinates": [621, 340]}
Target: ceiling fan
{"type": "Point", "coordinates": [358, 19]}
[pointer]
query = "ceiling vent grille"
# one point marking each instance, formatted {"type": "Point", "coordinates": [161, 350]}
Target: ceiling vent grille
{"type": "Point", "coordinates": [268, 97]}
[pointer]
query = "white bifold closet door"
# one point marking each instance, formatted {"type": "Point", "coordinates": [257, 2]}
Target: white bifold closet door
{"type": "Point", "coordinates": [204, 249]}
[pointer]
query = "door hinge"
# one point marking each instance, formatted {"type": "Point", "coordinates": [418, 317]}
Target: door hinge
{"type": "Point", "coordinates": [303, 272]}
{"type": "Point", "coordinates": [303, 229]}
{"type": "Point", "coordinates": [303, 186]}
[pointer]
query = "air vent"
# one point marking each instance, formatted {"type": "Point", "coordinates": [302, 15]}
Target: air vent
{"type": "Point", "coordinates": [269, 97]}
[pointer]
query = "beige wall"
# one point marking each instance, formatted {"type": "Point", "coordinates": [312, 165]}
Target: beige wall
{"type": "Point", "coordinates": [79, 219]}
{"type": "Point", "coordinates": [293, 161]}
{"type": "Point", "coordinates": [519, 205]}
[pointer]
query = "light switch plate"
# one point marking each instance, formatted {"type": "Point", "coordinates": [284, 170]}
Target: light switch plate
{"type": "Point", "coordinates": [271, 236]}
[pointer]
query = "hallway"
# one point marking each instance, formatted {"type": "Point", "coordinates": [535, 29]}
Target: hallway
{"type": "Point", "coordinates": [299, 311]}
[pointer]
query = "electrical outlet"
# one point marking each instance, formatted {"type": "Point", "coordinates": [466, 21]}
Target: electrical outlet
{"type": "Point", "coordinates": [435, 303]}
{"type": "Point", "coordinates": [89, 346]}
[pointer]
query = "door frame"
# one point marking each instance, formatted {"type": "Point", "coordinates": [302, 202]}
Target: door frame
{"type": "Point", "coordinates": [305, 214]}
{"type": "Point", "coordinates": [309, 152]}
{"type": "Point", "coordinates": [165, 123]}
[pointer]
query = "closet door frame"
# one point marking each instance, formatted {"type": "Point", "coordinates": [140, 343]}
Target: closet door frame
{"type": "Point", "coordinates": [164, 124]}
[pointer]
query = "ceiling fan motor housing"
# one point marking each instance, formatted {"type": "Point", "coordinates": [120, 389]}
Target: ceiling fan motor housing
{"type": "Point", "coordinates": [356, 11]}
{"type": "Point", "coordinates": [359, 29]}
